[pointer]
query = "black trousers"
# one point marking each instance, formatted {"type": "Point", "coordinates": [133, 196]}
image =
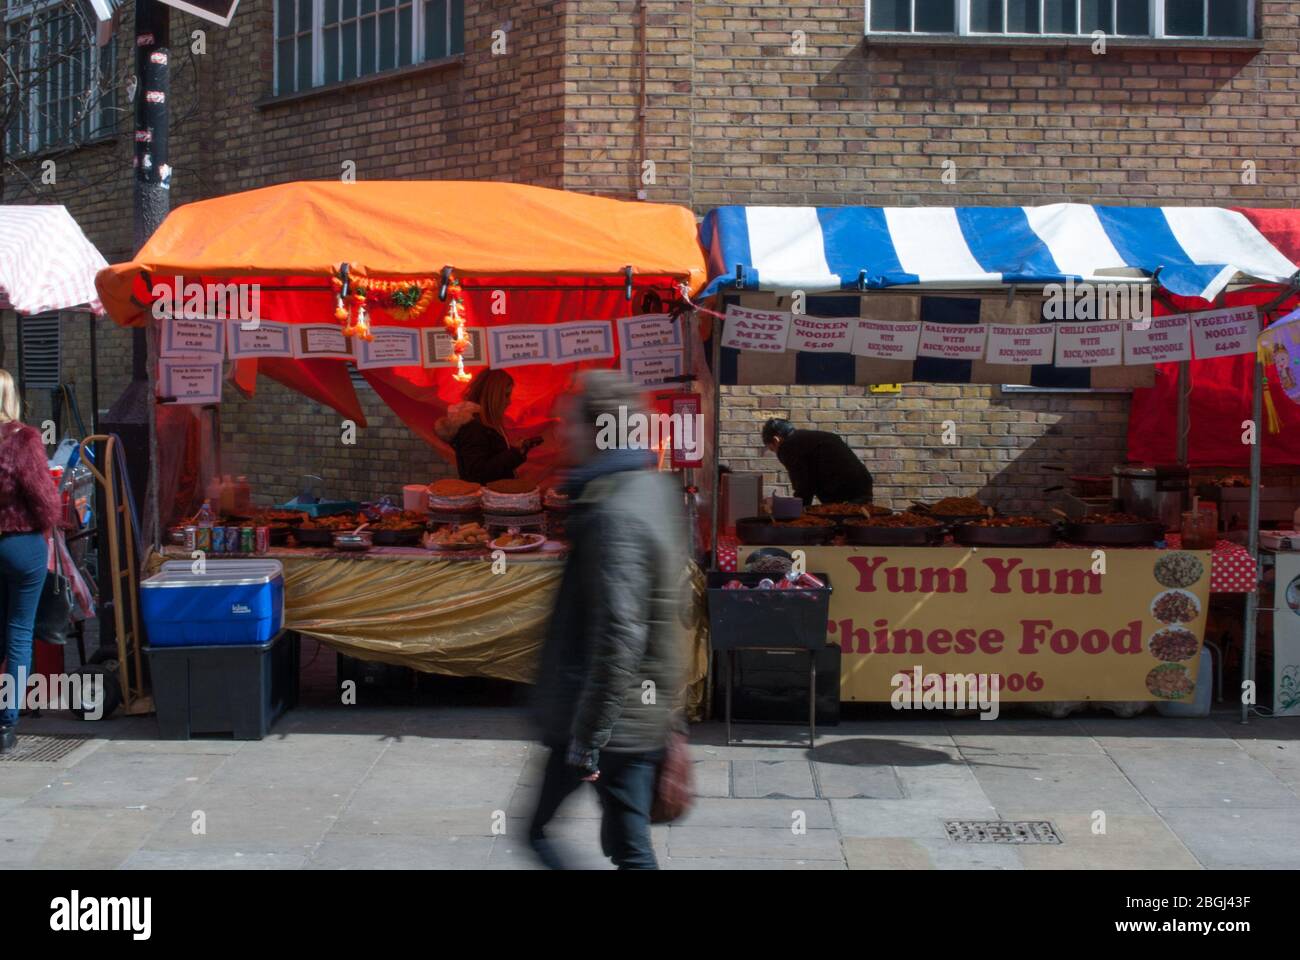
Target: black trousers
{"type": "Point", "coordinates": [626, 789]}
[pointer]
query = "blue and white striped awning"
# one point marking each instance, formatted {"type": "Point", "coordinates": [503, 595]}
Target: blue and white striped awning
{"type": "Point", "coordinates": [1191, 251]}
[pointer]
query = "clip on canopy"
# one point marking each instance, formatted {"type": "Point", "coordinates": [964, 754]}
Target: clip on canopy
{"type": "Point", "coordinates": [46, 262]}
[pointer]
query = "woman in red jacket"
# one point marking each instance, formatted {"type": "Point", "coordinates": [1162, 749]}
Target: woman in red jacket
{"type": "Point", "coordinates": [29, 511]}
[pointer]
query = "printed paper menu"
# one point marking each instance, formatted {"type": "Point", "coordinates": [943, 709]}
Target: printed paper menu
{"type": "Point", "coordinates": [1022, 344]}
{"type": "Point", "coordinates": [1224, 333]}
{"type": "Point", "coordinates": [584, 340]}
{"type": "Point", "coordinates": [818, 335]}
{"type": "Point", "coordinates": [519, 345]}
{"type": "Point", "coordinates": [763, 331]}
{"type": "Point", "coordinates": [887, 339]}
{"type": "Point", "coordinates": [1158, 340]}
{"type": "Point", "coordinates": [1089, 344]}
{"type": "Point", "coordinates": [191, 380]}
{"type": "Point", "coordinates": [266, 339]}
{"type": "Point", "coordinates": [391, 347]}
{"type": "Point", "coordinates": [952, 341]}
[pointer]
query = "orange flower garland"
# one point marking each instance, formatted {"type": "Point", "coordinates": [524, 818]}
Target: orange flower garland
{"type": "Point", "coordinates": [455, 322]}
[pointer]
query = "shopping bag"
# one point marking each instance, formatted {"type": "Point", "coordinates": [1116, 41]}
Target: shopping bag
{"type": "Point", "coordinates": [54, 612]}
{"type": "Point", "coordinates": [675, 784]}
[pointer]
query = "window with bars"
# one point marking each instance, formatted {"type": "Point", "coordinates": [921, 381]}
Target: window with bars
{"type": "Point", "coordinates": [1176, 19]}
{"type": "Point", "coordinates": [319, 42]}
{"type": "Point", "coordinates": [58, 83]}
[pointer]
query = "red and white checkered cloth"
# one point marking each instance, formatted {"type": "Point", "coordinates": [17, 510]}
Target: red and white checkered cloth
{"type": "Point", "coordinates": [46, 262]}
{"type": "Point", "coordinates": [1231, 568]}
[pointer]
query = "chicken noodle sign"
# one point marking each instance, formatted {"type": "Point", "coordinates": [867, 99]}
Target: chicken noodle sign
{"type": "Point", "coordinates": [1045, 624]}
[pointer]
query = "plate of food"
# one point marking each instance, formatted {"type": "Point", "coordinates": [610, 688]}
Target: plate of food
{"type": "Point", "coordinates": [1176, 606]}
{"type": "Point", "coordinates": [1114, 530]}
{"type": "Point", "coordinates": [1173, 644]}
{"type": "Point", "coordinates": [846, 510]}
{"type": "Point", "coordinates": [319, 531]}
{"type": "Point", "coordinates": [402, 529]}
{"type": "Point", "coordinates": [895, 530]}
{"type": "Point", "coordinates": [954, 509]}
{"type": "Point", "coordinates": [518, 542]}
{"type": "Point", "coordinates": [1170, 681]}
{"type": "Point", "coordinates": [763, 531]}
{"type": "Point", "coordinates": [1021, 531]}
{"type": "Point", "coordinates": [464, 536]}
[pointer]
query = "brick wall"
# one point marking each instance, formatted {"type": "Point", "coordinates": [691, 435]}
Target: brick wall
{"type": "Point", "coordinates": [486, 116]}
{"type": "Point", "coordinates": [850, 122]}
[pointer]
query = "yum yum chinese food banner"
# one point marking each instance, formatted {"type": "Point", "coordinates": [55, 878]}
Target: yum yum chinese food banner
{"type": "Point", "coordinates": [1041, 624]}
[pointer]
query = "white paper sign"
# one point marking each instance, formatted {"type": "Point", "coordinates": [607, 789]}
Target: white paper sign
{"type": "Point", "coordinates": [821, 335]}
{"type": "Point", "coordinates": [266, 339]}
{"type": "Point", "coordinates": [1224, 333]}
{"type": "Point", "coordinates": [321, 341]}
{"type": "Point", "coordinates": [648, 331]}
{"type": "Point", "coordinates": [1090, 344]}
{"type": "Point", "coordinates": [519, 345]}
{"type": "Point", "coordinates": [887, 339]}
{"type": "Point", "coordinates": [952, 341]}
{"type": "Point", "coordinates": [651, 369]}
{"type": "Point", "coordinates": [760, 330]}
{"type": "Point", "coordinates": [183, 337]}
{"type": "Point", "coordinates": [438, 347]}
{"type": "Point", "coordinates": [1022, 344]}
{"type": "Point", "coordinates": [585, 340]}
{"type": "Point", "coordinates": [1165, 340]}
{"type": "Point", "coordinates": [391, 347]}
{"type": "Point", "coordinates": [193, 380]}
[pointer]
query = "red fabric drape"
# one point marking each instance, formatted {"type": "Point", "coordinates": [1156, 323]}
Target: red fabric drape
{"type": "Point", "coordinates": [1219, 403]}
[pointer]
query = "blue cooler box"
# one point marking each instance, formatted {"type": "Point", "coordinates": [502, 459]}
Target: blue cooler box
{"type": "Point", "coordinates": [232, 602]}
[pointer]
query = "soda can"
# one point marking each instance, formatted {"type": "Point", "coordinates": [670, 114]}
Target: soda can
{"type": "Point", "coordinates": [218, 539]}
{"type": "Point", "coordinates": [191, 538]}
{"type": "Point", "coordinates": [246, 540]}
{"type": "Point", "coordinates": [232, 539]}
{"type": "Point", "coordinates": [263, 541]}
{"type": "Point", "coordinates": [203, 539]}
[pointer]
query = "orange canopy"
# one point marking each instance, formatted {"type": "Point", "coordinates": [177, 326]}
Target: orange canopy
{"type": "Point", "coordinates": [409, 228]}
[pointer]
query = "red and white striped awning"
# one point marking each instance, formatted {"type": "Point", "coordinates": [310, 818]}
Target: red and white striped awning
{"type": "Point", "coordinates": [46, 262]}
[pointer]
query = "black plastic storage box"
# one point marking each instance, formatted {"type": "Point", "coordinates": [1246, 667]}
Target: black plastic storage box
{"type": "Point", "coordinates": [771, 686]}
{"type": "Point", "coordinates": [237, 690]}
{"type": "Point", "coordinates": [781, 619]}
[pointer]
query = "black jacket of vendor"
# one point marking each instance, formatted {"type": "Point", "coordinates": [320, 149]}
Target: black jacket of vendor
{"type": "Point", "coordinates": [822, 465]}
{"type": "Point", "coordinates": [482, 454]}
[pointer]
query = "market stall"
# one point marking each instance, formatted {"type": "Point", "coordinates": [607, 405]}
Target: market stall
{"type": "Point", "coordinates": [1108, 606]}
{"type": "Point", "coordinates": [417, 288]}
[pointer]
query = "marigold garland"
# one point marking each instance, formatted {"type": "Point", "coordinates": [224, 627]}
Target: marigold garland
{"type": "Point", "coordinates": [404, 300]}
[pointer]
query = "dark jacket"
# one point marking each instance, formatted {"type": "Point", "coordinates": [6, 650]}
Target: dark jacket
{"type": "Point", "coordinates": [822, 465]}
{"type": "Point", "coordinates": [482, 454]}
{"type": "Point", "coordinates": [617, 619]}
{"type": "Point", "coordinates": [29, 501]}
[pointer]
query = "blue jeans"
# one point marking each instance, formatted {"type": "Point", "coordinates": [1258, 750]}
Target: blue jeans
{"type": "Point", "coordinates": [626, 788]}
{"type": "Point", "coordinates": [23, 559]}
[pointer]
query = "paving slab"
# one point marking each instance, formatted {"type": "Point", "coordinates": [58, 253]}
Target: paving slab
{"type": "Point", "coordinates": [838, 780]}
{"type": "Point", "coordinates": [910, 819]}
{"type": "Point", "coordinates": [65, 838]}
{"type": "Point", "coordinates": [772, 778]}
{"type": "Point", "coordinates": [746, 863]}
{"type": "Point", "coordinates": [1058, 782]}
{"type": "Point", "coordinates": [923, 853]}
{"type": "Point", "coordinates": [123, 779]}
{"type": "Point", "coordinates": [712, 778]}
{"type": "Point", "coordinates": [200, 860]}
{"type": "Point", "coordinates": [1241, 838]}
{"type": "Point", "coordinates": [1281, 758]}
{"type": "Point", "coordinates": [773, 814]}
{"type": "Point", "coordinates": [401, 853]}
{"type": "Point", "coordinates": [1130, 842]}
{"type": "Point", "coordinates": [1200, 777]}
{"type": "Point", "coordinates": [764, 843]}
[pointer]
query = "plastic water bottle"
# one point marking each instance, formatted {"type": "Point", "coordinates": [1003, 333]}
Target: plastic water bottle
{"type": "Point", "coordinates": [206, 517]}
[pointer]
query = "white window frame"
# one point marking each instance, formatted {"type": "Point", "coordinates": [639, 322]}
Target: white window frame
{"type": "Point", "coordinates": [1156, 18]}
{"type": "Point", "coordinates": [97, 122]}
{"type": "Point", "coordinates": [318, 42]}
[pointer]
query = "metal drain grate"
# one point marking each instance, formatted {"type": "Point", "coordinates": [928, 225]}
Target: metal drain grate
{"type": "Point", "coordinates": [33, 748]}
{"type": "Point", "coordinates": [1002, 831]}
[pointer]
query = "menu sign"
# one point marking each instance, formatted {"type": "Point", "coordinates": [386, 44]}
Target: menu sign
{"type": "Point", "coordinates": [1022, 344]}
{"type": "Point", "coordinates": [586, 340]}
{"type": "Point", "coordinates": [321, 341]}
{"type": "Point", "coordinates": [438, 345]}
{"type": "Point", "coordinates": [760, 330]}
{"type": "Point", "coordinates": [1089, 344]}
{"type": "Point", "coordinates": [1158, 340]}
{"type": "Point", "coordinates": [952, 341]}
{"type": "Point", "coordinates": [1224, 333]}
{"type": "Point", "coordinates": [391, 347]}
{"type": "Point", "coordinates": [652, 369]}
{"type": "Point", "coordinates": [266, 339]}
{"type": "Point", "coordinates": [192, 380]}
{"type": "Point", "coordinates": [887, 340]}
{"type": "Point", "coordinates": [183, 337]}
{"type": "Point", "coordinates": [815, 335]}
{"type": "Point", "coordinates": [519, 345]}
{"type": "Point", "coordinates": [647, 331]}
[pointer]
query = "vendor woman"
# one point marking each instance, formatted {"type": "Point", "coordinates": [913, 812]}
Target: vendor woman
{"type": "Point", "coordinates": [820, 464]}
{"type": "Point", "coordinates": [475, 430]}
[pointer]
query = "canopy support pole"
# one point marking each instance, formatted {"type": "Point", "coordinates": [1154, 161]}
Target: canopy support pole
{"type": "Point", "coordinates": [716, 480]}
{"type": "Point", "coordinates": [1252, 533]}
{"type": "Point", "coordinates": [1184, 410]}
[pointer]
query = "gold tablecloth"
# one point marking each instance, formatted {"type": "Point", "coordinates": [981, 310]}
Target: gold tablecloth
{"type": "Point", "coordinates": [444, 616]}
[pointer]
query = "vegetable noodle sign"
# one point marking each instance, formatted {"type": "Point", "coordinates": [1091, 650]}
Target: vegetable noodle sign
{"type": "Point", "coordinates": [1046, 624]}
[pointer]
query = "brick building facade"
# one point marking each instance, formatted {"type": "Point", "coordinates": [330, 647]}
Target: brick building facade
{"type": "Point", "coordinates": [731, 103]}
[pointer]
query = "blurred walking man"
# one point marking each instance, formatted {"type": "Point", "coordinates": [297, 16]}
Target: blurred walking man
{"type": "Point", "coordinates": [612, 667]}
